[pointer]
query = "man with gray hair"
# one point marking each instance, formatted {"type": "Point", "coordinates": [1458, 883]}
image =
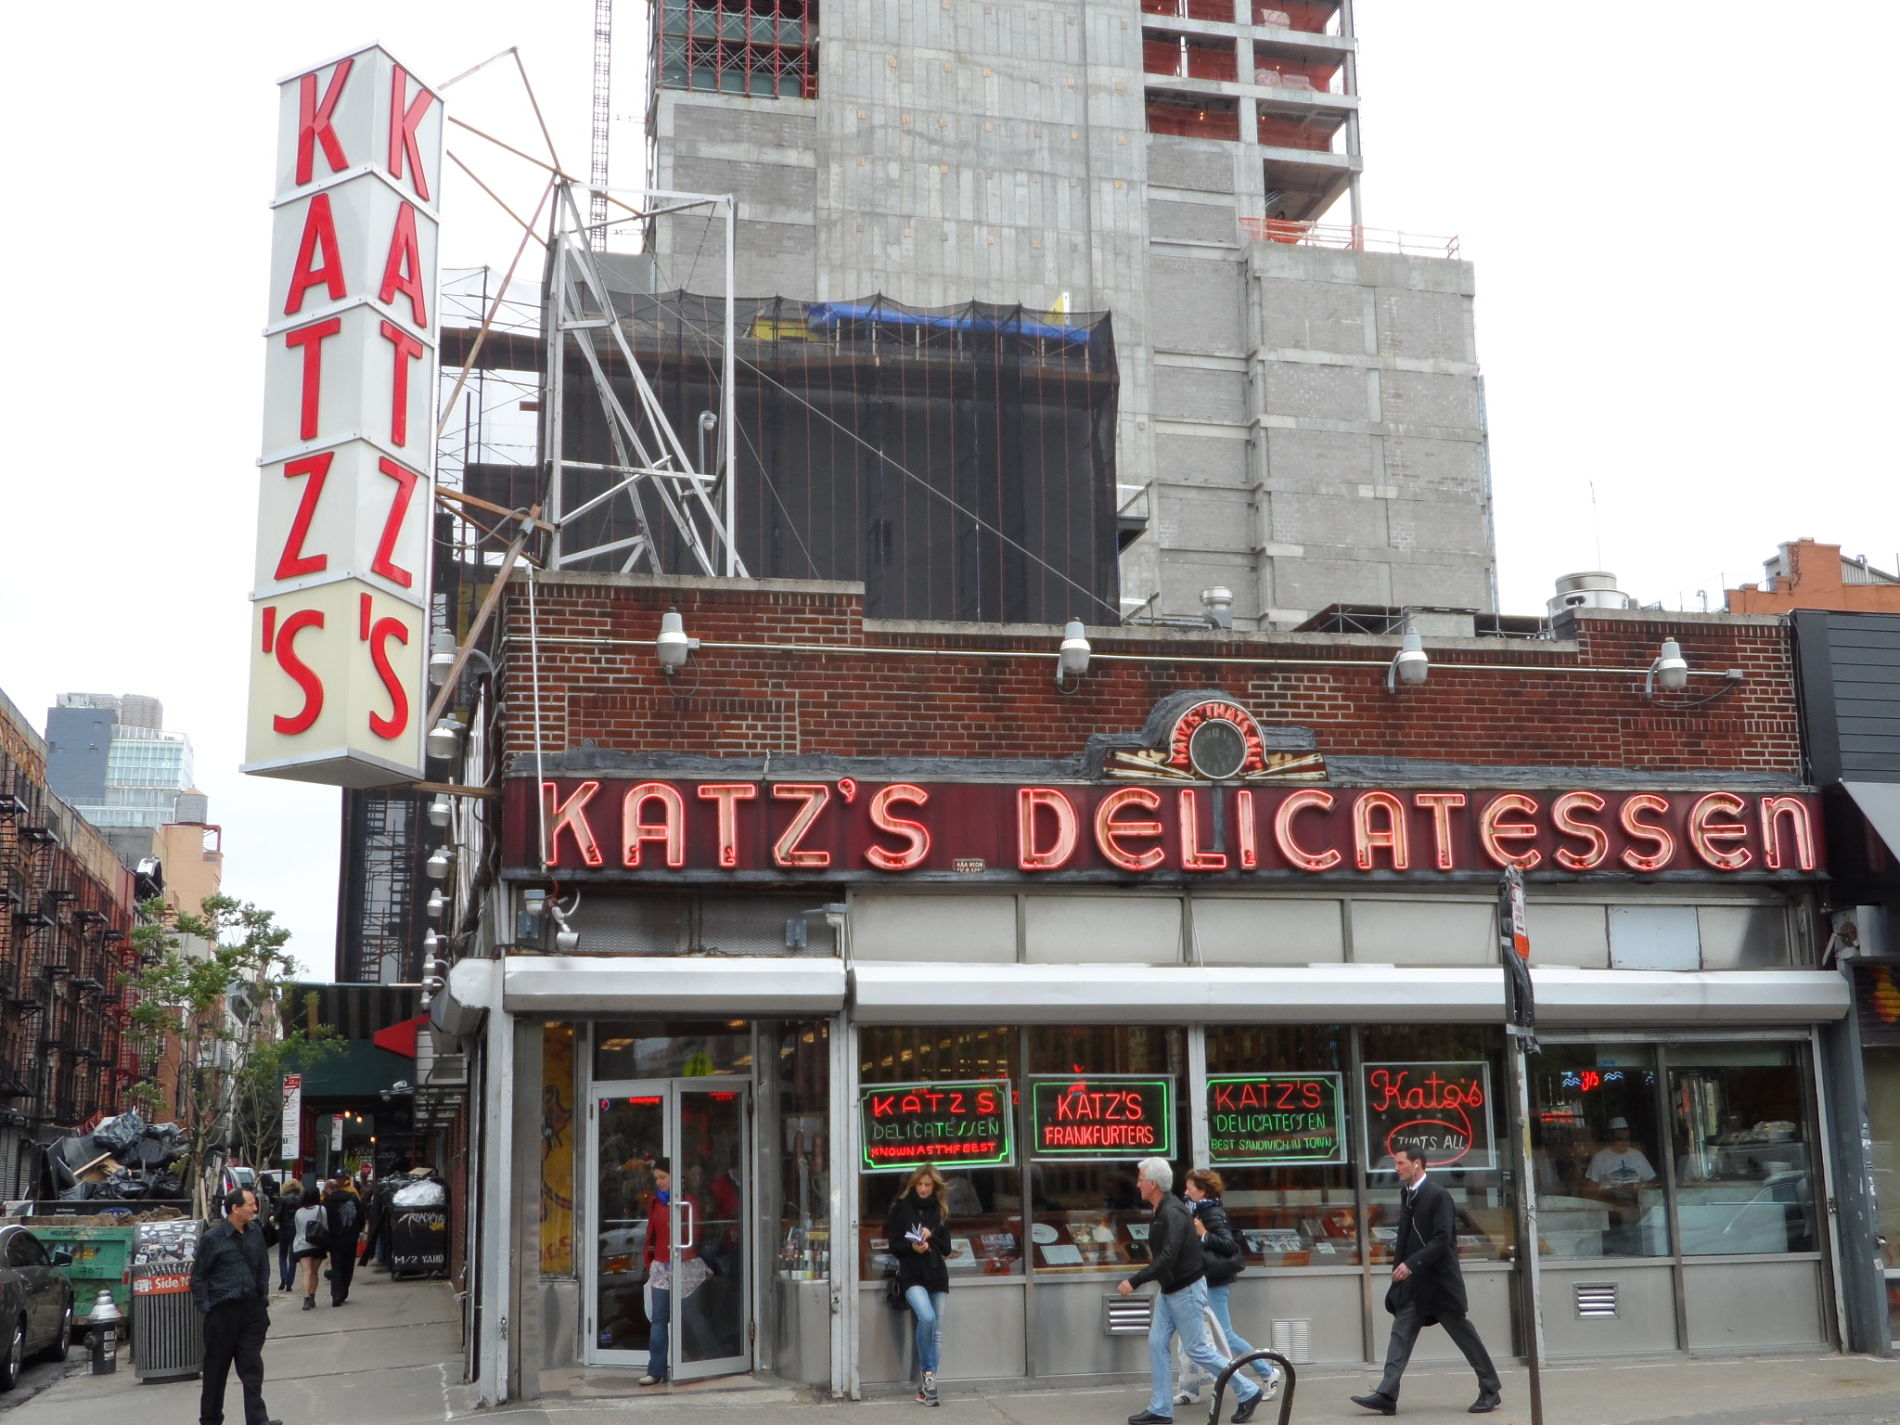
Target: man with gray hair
{"type": "Point", "coordinates": [1174, 1266]}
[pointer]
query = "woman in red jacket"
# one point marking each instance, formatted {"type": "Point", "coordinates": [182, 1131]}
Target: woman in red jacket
{"type": "Point", "coordinates": [659, 1268]}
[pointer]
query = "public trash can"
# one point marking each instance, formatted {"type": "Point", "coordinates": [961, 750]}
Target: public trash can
{"type": "Point", "coordinates": [418, 1226]}
{"type": "Point", "coordinates": [168, 1334]}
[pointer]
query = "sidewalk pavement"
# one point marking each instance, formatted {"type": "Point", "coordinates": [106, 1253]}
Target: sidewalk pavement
{"type": "Point", "coordinates": [391, 1357]}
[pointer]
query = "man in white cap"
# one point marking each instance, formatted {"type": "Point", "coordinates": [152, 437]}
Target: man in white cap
{"type": "Point", "coordinates": [1616, 1174]}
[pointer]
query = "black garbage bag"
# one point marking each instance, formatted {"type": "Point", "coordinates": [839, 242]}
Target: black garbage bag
{"type": "Point", "coordinates": [151, 1151]}
{"type": "Point", "coordinates": [118, 1135]}
{"type": "Point", "coordinates": [164, 1185]}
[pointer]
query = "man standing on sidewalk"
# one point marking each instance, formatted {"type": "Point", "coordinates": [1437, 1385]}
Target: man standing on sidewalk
{"type": "Point", "coordinates": [230, 1285]}
{"type": "Point", "coordinates": [1176, 1269]}
{"type": "Point", "coordinates": [1427, 1287]}
{"type": "Point", "coordinates": [345, 1214]}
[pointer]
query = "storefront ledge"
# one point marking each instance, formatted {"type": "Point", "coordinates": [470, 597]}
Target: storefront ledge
{"type": "Point", "coordinates": [752, 987]}
{"type": "Point", "coordinates": [1335, 994]}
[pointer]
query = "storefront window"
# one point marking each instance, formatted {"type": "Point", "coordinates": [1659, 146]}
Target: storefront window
{"type": "Point", "coordinates": [1279, 1133]}
{"type": "Point", "coordinates": [962, 1109]}
{"type": "Point", "coordinates": [1744, 1173]}
{"type": "Point", "coordinates": [664, 1049]}
{"type": "Point", "coordinates": [1101, 1098]}
{"type": "Point", "coordinates": [794, 1117]}
{"type": "Point", "coordinates": [1438, 1090]}
{"type": "Point", "coordinates": [1597, 1155]}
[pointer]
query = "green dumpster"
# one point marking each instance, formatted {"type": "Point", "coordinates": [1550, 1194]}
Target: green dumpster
{"type": "Point", "coordinates": [102, 1257]}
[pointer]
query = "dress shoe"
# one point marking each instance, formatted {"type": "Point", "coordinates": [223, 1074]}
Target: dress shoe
{"type": "Point", "coordinates": [1486, 1402]}
{"type": "Point", "coordinates": [1148, 1417]}
{"type": "Point", "coordinates": [1384, 1404]}
{"type": "Point", "coordinates": [1243, 1412]}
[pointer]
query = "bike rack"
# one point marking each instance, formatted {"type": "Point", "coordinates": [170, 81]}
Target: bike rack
{"type": "Point", "coordinates": [1286, 1390]}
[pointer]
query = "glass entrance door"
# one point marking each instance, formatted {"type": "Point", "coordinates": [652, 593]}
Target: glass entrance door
{"type": "Point", "coordinates": [699, 1126]}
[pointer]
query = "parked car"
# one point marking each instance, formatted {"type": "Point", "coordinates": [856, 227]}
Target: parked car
{"type": "Point", "coordinates": [36, 1302]}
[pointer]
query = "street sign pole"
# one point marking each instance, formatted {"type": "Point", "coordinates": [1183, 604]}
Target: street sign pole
{"type": "Point", "coordinates": [1514, 948]}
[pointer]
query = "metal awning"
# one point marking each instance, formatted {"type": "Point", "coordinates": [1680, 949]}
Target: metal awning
{"type": "Point", "coordinates": [754, 987]}
{"type": "Point", "coordinates": [1879, 802]}
{"type": "Point", "coordinates": [917, 993]}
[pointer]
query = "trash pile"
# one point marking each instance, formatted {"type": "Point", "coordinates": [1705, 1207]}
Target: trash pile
{"type": "Point", "coordinates": [123, 1159]}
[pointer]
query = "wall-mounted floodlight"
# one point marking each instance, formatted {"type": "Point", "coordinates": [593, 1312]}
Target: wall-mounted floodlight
{"type": "Point", "coordinates": [1072, 657]}
{"type": "Point", "coordinates": [1670, 671]}
{"type": "Point", "coordinates": [673, 647]}
{"type": "Point", "coordinates": [435, 905]}
{"type": "Point", "coordinates": [439, 862]}
{"type": "Point", "coordinates": [1409, 665]}
{"type": "Point", "coordinates": [444, 738]}
{"type": "Point", "coordinates": [566, 937]}
{"type": "Point", "coordinates": [441, 809]}
{"type": "Point", "coordinates": [441, 656]}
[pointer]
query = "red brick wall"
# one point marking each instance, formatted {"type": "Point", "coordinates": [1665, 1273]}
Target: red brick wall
{"type": "Point", "coordinates": [745, 702]}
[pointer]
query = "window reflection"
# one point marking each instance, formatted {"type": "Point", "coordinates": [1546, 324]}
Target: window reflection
{"type": "Point", "coordinates": [1744, 1176]}
{"type": "Point", "coordinates": [1596, 1149]}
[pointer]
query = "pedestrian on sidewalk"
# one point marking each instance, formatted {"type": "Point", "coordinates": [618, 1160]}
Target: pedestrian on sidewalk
{"type": "Point", "coordinates": [1176, 1268]}
{"type": "Point", "coordinates": [1428, 1287]}
{"type": "Point", "coordinates": [310, 1235]}
{"type": "Point", "coordinates": [918, 1230]}
{"type": "Point", "coordinates": [345, 1212]}
{"type": "Point", "coordinates": [1223, 1259]}
{"type": "Point", "coordinates": [230, 1286]}
{"type": "Point", "coordinates": [658, 1261]}
{"type": "Point", "coordinates": [288, 1201]}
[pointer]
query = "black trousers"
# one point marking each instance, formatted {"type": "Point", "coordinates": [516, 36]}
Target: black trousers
{"type": "Point", "coordinates": [342, 1269]}
{"type": "Point", "coordinates": [1405, 1329]}
{"type": "Point", "coordinates": [234, 1332]}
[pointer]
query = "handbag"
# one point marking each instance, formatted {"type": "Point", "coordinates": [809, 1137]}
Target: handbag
{"type": "Point", "coordinates": [894, 1294]}
{"type": "Point", "coordinates": [1396, 1296]}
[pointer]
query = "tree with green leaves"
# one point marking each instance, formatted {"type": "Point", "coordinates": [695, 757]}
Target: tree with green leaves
{"type": "Point", "coordinates": [257, 1117]}
{"type": "Point", "coordinates": [211, 988]}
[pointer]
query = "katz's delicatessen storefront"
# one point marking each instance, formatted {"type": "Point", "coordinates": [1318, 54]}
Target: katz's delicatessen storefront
{"type": "Point", "coordinates": [1200, 943]}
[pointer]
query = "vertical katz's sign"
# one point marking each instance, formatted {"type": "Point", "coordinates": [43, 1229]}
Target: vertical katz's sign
{"type": "Point", "coordinates": [340, 614]}
{"type": "Point", "coordinates": [903, 1126]}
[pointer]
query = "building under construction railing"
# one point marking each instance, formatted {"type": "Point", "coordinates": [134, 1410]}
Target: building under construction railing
{"type": "Point", "coordinates": [959, 461]}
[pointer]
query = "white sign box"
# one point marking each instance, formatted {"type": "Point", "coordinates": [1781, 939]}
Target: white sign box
{"type": "Point", "coordinates": [339, 623]}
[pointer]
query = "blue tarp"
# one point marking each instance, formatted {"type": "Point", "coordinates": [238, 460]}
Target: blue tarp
{"type": "Point", "coordinates": [822, 315]}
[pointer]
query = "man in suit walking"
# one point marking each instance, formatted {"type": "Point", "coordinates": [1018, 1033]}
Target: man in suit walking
{"type": "Point", "coordinates": [1429, 1287]}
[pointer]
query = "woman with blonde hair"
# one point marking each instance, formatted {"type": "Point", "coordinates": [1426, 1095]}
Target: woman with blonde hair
{"type": "Point", "coordinates": [919, 1233]}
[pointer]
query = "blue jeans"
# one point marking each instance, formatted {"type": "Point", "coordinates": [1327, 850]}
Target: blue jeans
{"type": "Point", "coordinates": [927, 1306]}
{"type": "Point", "coordinates": [1180, 1312]}
{"type": "Point", "coordinates": [656, 1339]}
{"type": "Point", "coordinates": [1217, 1303]}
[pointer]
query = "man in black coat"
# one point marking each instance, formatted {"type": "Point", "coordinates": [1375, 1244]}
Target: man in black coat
{"type": "Point", "coordinates": [344, 1211]}
{"type": "Point", "coordinates": [230, 1284]}
{"type": "Point", "coordinates": [1427, 1288]}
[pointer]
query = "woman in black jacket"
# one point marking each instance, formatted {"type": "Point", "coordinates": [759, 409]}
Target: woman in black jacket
{"type": "Point", "coordinates": [1222, 1253]}
{"type": "Point", "coordinates": [285, 1211]}
{"type": "Point", "coordinates": [919, 1233]}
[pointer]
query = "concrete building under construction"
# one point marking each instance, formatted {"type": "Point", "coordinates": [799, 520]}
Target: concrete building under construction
{"type": "Point", "coordinates": [1299, 413]}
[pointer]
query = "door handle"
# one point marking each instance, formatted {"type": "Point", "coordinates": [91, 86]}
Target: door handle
{"type": "Point", "coordinates": [688, 1223]}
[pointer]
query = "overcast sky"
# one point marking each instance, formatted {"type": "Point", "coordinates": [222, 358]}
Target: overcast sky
{"type": "Point", "coordinates": [1680, 221]}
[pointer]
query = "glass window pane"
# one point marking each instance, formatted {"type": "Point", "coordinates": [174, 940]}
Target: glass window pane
{"type": "Point", "coordinates": [1745, 1180]}
{"type": "Point", "coordinates": [655, 1049]}
{"type": "Point", "coordinates": [1442, 1086]}
{"type": "Point", "coordinates": [1292, 1214]}
{"type": "Point", "coordinates": [985, 1204]}
{"type": "Point", "coordinates": [795, 1118]}
{"type": "Point", "coordinates": [1595, 1149]}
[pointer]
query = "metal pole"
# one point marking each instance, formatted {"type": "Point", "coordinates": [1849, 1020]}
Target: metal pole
{"type": "Point", "coordinates": [730, 405]}
{"type": "Point", "coordinates": [1529, 1274]}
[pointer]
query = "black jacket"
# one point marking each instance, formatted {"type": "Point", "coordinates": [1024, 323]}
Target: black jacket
{"type": "Point", "coordinates": [1220, 1248]}
{"type": "Point", "coordinates": [288, 1201]}
{"type": "Point", "coordinates": [1175, 1252]}
{"type": "Point", "coordinates": [914, 1268]}
{"type": "Point", "coordinates": [1427, 1242]}
{"type": "Point", "coordinates": [230, 1267]}
{"type": "Point", "coordinates": [345, 1213]}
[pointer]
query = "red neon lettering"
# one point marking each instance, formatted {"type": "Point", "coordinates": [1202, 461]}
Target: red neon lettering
{"type": "Point", "coordinates": [1562, 817]}
{"type": "Point", "coordinates": [1311, 799]}
{"type": "Point", "coordinates": [402, 131]}
{"type": "Point", "coordinates": [385, 563]}
{"type": "Point", "coordinates": [1656, 836]}
{"type": "Point", "coordinates": [299, 672]}
{"type": "Point", "coordinates": [1706, 835]}
{"type": "Point", "coordinates": [293, 563]}
{"type": "Point", "coordinates": [391, 727]}
{"type": "Point", "coordinates": [1795, 811]}
{"type": "Point", "coordinates": [1031, 855]}
{"type": "Point", "coordinates": [1109, 833]}
{"type": "Point", "coordinates": [1441, 805]}
{"type": "Point", "coordinates": [1245, 832]}
{"type": "Point", "coordinates": [1192, 857]}
{"type": "Point", "coordinates": [319, 235]}
{"type": "Point", "coordinates": [1494, 831]}
{"type": "Point", "coordinates": [407, 349]}
{"type": "Point", "coordinates": [1366, 838]}
{"type": "Point", "coordinates": [728, 795]}
{"type": "Point", "coordinates": [814, 795]}
{"type": "Point", "coordinates": [569, 816]}
{"type": "Point", "coordinates": [914, 833]}
{"type": "Point", "coordinates": [670, 830]}
{"type": "Point", "coordinates": [311, 339]}
{"type": "Point", "coordinates": [402, 270]}
{"type": "Point", "coordinates": [313, 122]}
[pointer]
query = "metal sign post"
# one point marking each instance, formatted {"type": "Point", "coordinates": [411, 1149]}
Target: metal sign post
{"type": "Point", "coordinates": [1514, 948]}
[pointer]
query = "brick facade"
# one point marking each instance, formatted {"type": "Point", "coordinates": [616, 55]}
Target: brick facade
{"type": "Point", "coordinates": [794, 669]}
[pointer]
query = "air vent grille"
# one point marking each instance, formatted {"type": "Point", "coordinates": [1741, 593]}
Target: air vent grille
{"type": "Point", "coordinates": [1596, 1301]}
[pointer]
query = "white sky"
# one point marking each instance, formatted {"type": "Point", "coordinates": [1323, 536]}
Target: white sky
{"type": "Point", "coordinates": [1679, 217]}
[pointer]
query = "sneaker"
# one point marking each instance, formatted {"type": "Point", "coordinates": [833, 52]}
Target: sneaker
{"type": "Point", "coordinates": [922, 1399]}
{"type": "Point", "coordinates": [1187, 1397]}
{"type": "Point", "coordinates": [930, 1388]}
{"type": "Point", "coordinates": [651, 1380]}
{"type": "Point", "coordinates": [1270, 1387]}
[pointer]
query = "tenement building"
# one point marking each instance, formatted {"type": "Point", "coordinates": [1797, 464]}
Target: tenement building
{"type": "Point", "coordinates": [823, 897]}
